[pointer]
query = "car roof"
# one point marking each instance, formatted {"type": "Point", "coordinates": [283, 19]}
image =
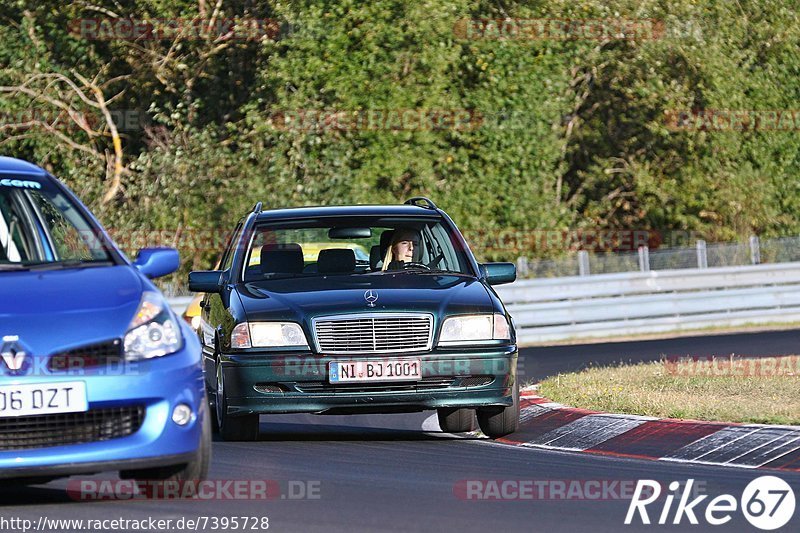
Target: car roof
{"type": "Point", "coordinates": [403, 210]}
{"type": "Point", "coordinates": [10, 165]}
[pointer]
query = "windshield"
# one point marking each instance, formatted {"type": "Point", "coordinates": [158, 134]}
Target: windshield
{"type": "Point", "coordinates": [40, 226]}
{"type": "Point", "coordinates": [353, 246]}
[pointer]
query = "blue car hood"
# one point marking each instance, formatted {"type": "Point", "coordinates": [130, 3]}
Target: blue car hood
{"type": "Point", "coordinates": [303, 298]}
{"type": "Point", "coordinates": [60, 309]}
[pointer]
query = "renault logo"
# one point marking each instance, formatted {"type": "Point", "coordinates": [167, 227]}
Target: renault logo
{"type": "Point", "coordinates": [13, 353]}
{"type": "Point", "coordinates": [371, 297]}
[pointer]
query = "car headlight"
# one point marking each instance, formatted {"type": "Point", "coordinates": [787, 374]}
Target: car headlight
{"type": "Point", "coordinates": [268, 335]}
{"type": "Point", "coordinates": [472, 328]}
{"type": "Point", "coordinates": [153, 332]}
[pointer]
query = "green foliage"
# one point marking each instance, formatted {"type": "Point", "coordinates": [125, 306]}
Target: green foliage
{"type": "Point", "coordinates": [565, 133]}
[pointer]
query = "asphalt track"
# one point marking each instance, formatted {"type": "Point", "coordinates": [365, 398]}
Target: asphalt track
{"type": "Point", "coordinates": [384, 473]}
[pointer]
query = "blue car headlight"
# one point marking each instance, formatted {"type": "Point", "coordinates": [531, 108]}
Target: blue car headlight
{"type": "Point", "coordinates": [153, 332]}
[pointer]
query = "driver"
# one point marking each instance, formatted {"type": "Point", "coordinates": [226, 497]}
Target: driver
{"type": "Point", "coordinates": [401, 249]}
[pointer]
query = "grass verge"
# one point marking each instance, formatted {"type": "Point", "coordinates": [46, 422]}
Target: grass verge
{"type": "Point", "coordinates": [764, 390]}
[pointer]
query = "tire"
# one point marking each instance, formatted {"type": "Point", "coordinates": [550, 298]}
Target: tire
{"type": "Point", "coordinates": [496, 422]}
{"type": "Point", "coordinates": [232, 428]}
{"type": "Point", "coordinates": [195, 470]}
{"type": "Point", "coordinates": [212, 410]}
{"type": "Point", "coordinates": [453, 420]}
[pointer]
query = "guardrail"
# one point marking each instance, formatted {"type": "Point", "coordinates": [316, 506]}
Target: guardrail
{"type": "Point", "coordinates": [630, 303]}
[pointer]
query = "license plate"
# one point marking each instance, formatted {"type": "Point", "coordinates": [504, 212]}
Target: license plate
{"type": "Point", "coordinates": [361, 371]}
{"type": "Point", "coordinates": [43, 398]}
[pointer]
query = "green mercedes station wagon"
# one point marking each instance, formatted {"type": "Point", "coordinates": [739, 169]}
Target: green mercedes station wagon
{"type": "Point", "coordinates": [357, 309]}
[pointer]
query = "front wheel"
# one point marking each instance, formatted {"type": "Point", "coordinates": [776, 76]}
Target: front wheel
{"type": "Point", "coordinates": [496, 422]}
{"type": "Point", "coordinates": [232, 428]}
{"type": "Point", "coordinates": [453, 420]}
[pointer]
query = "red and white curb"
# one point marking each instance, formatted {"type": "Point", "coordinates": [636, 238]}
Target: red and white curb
{"type": "Point", "coordinates": [548, 425]}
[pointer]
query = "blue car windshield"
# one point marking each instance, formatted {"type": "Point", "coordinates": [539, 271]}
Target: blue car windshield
{"type": "Point", "coordinates": [356, 245]}
{"type": "Point", "coordinates": [41, 227]}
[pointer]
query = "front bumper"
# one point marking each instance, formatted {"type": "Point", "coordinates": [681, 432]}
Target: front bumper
{"type": "Point", "coordinates": [298, 383]}
{"type": "Point", "coordinates": [158, 385]}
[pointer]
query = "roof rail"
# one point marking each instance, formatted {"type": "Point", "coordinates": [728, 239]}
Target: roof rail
{"type": "Point", "coordinates": [257, 207]}
{"type": "Point", "coordinates": [415, 201]}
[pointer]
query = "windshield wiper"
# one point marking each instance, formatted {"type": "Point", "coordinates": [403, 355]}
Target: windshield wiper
{"type": "Point", "coordinates": [13, 266]}
{"type": "Point", "coordinates": [69, 263]}
{"type": "Point", "coordinates": [268, 276]}
{"type": "Point", "coordinates": [417, 269]}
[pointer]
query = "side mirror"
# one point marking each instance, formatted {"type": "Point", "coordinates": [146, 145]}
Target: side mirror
{"type": "Point", "coordinates": [157, 262]}
{"type": "Point", "coordinates": [208, 281]}
{"type": "Point", "coordinates": [499, 273]}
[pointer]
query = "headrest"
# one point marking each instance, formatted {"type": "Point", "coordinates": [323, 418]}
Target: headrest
{"type": "Point", "coordinates": [375, 257]}
{"type": "Point", "coordinates": [282, 258]}
{"type": "Point", "coordinates": [335, 260]}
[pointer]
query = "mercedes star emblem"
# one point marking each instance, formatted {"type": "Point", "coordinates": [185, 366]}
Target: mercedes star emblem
{"type": "Point", "coordinates": [371, 297]}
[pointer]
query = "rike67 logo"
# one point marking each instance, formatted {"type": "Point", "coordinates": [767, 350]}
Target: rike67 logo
{"type": "Point", "coordinates": [767, 502]}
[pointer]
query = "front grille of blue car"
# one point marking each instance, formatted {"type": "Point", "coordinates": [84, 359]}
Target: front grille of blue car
{"type": "Point", "coordinates": [43, 431]}
{"type": "Point", "coordinates": [388, 333]}
{"type": "Point", "coordinates": [105, 353]}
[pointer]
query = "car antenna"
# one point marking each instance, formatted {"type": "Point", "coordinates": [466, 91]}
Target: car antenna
{"type": "Point", "coordinates": [257, 207]}
{"type": "Point", "coordinates": [415, 201]}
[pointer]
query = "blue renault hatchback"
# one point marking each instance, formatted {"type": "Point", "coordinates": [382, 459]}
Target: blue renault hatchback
{"type": "Point", "coordinates": [97, 372]}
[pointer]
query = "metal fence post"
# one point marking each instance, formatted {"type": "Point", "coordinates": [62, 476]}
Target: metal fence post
{"type": "Point", "coordinates": [583, 263]}
{"type": "Point", "coordinates": [755, 250]}
{"type": "Point", "coordinates": [702, 257]}
{"type": "Point", "coordinates": [644, 258]}
{"type": "Point", "coordinates": [522, 267]}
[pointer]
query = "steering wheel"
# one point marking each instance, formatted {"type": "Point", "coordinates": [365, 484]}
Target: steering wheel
{"type": "Point", "coordinates": [414, 264]}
